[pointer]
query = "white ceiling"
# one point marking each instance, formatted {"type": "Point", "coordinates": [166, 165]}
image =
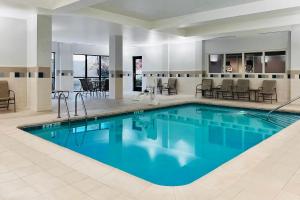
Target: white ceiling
{"type": "Point", "coordinates": [161, 9]}
{"type": "Point", "coordinates": [75, 29]}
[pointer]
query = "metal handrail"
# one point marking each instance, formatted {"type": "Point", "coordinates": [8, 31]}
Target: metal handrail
{"type": "Point", "coordinates": [281, 106]}
{"type": "Point", "coordinates": [82, 103]}
{"type": "Point", "coordinates": [66, 104]}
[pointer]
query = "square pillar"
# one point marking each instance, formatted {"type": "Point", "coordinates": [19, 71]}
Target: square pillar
{"type": "Point", "coordinates": [39, 39]}
{"type": "Point", "coordinates": [116, 67]}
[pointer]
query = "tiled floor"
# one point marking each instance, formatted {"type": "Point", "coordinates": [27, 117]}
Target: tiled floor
{"type": "Point", "coordinates": [32, 168]}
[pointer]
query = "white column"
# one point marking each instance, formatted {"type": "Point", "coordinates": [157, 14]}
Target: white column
{"type": "Point", "coordinates": [295, 62]}
{"type": "Point", "coordinates": [39, 38]}
{"type": "Point", "coordinates": [116, 67]}
{"type": "Point", "coordinates": [64, 67]}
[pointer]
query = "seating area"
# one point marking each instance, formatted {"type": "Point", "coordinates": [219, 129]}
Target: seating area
{"type": "Point", "coordinates": [7, 96]}
{"type": "Point", "coordinates": [241, 91]}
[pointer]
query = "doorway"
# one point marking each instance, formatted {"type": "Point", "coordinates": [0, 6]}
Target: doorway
{"type": "Point", "coordinates": [137, 73]}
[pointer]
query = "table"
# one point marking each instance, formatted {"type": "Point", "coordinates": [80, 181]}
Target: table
{"type": "Point", "coordinates": [255, 91]}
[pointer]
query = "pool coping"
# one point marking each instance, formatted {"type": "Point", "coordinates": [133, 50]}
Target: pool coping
{"type": "Point", "coordinates": [229, 169]}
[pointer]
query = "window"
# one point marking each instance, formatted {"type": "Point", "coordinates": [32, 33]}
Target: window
{"type": "Point", "coordinates": [88, 66]}
{"type": "Point", "coordinates": [79, 62]}
{"type": "Point", "coordinates": [216, 63]}
{"type": "Point", "coordinates": [53, 70]}
{"type": "Point", "coordinates": [275, 62]}
{"type": "Point", "coordinates": [233, 63]}
{"type": "Point", "coordinates": [253, 62]}
{"type": "Point", "coordinates": [104, 67]}
{"type": "Point", "coordinates": [93, 64]}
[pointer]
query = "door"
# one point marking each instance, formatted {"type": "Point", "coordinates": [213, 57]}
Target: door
{"type": "Point", "coordinates": [53, 73]}
{"type": "Point", "coordinates": [137, 73]}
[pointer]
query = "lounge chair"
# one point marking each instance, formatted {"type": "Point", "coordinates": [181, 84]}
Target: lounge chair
{"type": "Point", "coordinates": [268, 91]}
{"type": "Point", "coordinates": [7, 96]}
{"type": "Point", "coordinates": [242, 89]}
{"type": "Point", "coordinates": [205, 88]}
{"type": "Point", "coordinates": [171, 86]}
{"type": "Point", "coordinates": [226, 89]}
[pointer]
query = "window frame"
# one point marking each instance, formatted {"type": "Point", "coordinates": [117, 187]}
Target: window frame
{"type": "Point", "coordinates": [86, 67]}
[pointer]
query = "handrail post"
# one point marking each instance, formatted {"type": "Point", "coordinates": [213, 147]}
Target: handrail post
{"type": "Point", "coordinates": [76, 104]}
{"type": "Point", "coordinates": [83, 105]}
{"type": "Point", "coordinates": [66, 103]}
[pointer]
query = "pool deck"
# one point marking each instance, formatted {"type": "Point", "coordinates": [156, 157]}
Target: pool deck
{"type": "Point", "coordinates": [33, 169]}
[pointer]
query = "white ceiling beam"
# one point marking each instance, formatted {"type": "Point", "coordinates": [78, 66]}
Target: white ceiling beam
{"type": "Point", "coordinates": [223, 13]}
{"type": "Point", "coordinates": [271, 22]}
{"type": "Point", "coordinates": [76, 5]}
{"type": "Point", "coordinates": [113, 17]}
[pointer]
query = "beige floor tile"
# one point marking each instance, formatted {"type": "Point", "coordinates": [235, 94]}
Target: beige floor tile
{"type": "Point", "coordinates": [86, 184]}
{"type": "Point", "coordinates": [8, 176]}
{"type": "Point", "coordinates": [73, 177]}
{"type": "Point", "coordinates": [17, 190]}
{"type": "Point", "coordinates": [44, 182]}
{"type": "Point", "coordinates": [103, 193]}
{"type": "Point", "coordinates": [156, 193]}
{"type": "Point", "coordinates": [125, 183]}
{"type": "Point", "coordinates": [287, 196]}
{"type": "Point", "coordinates": [26, 171]}
{"type": "Point", "coordinates": [65, 193]}
{"type": "Point", "coordinates": [293, 185]}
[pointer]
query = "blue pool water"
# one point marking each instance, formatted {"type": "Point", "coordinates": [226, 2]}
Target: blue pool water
{"type": "Point", "coordinates": [171, 146]}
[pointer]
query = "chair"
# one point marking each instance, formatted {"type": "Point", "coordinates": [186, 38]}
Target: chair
{"type": "Point", "coordinates": [171, 86]}
{"type": "Point", "coordinates": [86, 86]}
{"type": "Point", "coordinates": [7, 96]}
{"type": "Point", "coordinates": [105, 87]}
{"type": "Point", "coordinates": [268, 90]}
{"type": "Point", "coordinates": [205, 88]}
{"type": "Point", "coordinates": [159, 85]}
{"type": "Point", "coordinates": [242, 89]}
{"type": "Point", "coordinates": [226, 89]}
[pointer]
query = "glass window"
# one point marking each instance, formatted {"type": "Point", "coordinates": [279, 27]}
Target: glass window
{"type": "Point", "coordinates": [216, 63]}
{"type": "Point", "coordinates": [234, 63]}
{"type": "Point", "coordinates": [93, 67]}
{"type": "Point", "coordinates": [79, 65]}
{"type": "Point", "coordinates": [78, 70]}
{"type": "Point", "coordinates": [104, 66]}
{"type": "Point", "coordinates": [275, 62]}
{"type": "Point", "coordinates": [253, 62]}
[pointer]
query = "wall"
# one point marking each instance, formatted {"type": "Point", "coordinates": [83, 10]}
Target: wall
{"type": "Point", "coordinates": [13, 51]}
{"type": "Point", "coordinates": [13, 34]}
{"type": "Point", "coordinates": [178, 59]}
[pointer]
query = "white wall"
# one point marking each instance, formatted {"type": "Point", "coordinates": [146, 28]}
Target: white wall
{"type": "Point", "coordinates": [13, 40]}
{"type": "Point", "coordinates": [185, 56]}
{"type": "Point", "coordinates": [258, 43]}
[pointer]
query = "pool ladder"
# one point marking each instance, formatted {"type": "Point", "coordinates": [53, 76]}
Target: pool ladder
{"type": "Point", "coordinates": [279, 120]}
{"type": "Point", "coordinates": [281, 106]}
{"type": "Point", "coordinates": [62, 95]}
{"type": "Point", "coordinates": [82, 103]}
